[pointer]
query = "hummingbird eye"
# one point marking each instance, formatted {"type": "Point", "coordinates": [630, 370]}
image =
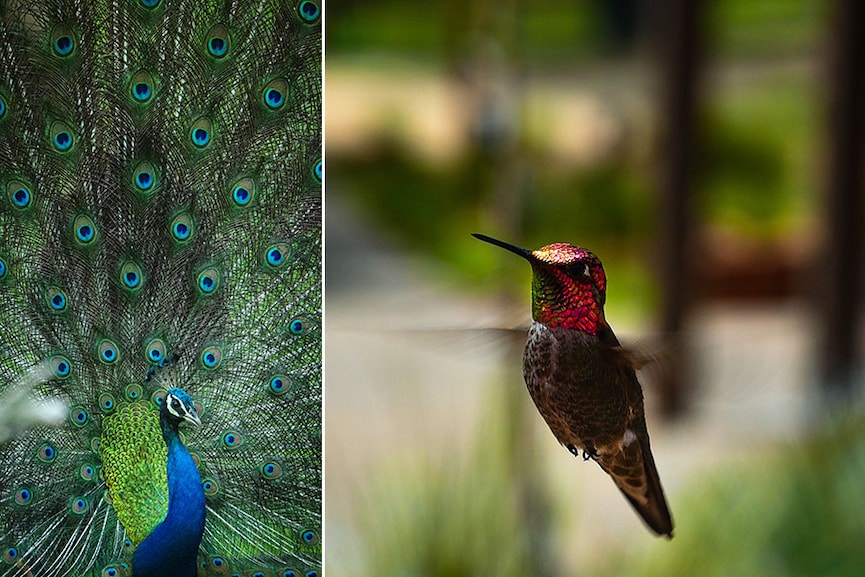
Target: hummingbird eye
{"type": "Point", "coordinates": [580, 269]}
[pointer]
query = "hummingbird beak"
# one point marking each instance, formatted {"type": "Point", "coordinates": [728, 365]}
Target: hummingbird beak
{"type": "Point", "coordinates": [525, 253]}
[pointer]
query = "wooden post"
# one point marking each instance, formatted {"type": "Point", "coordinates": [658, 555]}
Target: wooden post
{"type": "Point", "coordinates": [843, 248]}
{"type": "Point", "coordinates": [679, 25]}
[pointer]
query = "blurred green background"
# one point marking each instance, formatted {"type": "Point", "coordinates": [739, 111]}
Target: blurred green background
{"type": "Point", "coordinates": [536, 123]}
{"type": "Point", "coordinates": [423, 97]}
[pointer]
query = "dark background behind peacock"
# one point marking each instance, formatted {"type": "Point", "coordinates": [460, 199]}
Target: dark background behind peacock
{"type": "Point", "coordinates": [160, 228]}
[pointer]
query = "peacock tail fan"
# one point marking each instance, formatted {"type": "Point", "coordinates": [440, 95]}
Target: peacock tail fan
{"type": "Point", "coordinates": [160, 228]}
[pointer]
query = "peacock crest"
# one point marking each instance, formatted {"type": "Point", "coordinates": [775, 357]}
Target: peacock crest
{"type": "Point", "coordinates": [160, 288]}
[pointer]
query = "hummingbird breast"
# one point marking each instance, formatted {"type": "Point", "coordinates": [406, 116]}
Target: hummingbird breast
{"type": "Point", "coordinates": [578, 386]}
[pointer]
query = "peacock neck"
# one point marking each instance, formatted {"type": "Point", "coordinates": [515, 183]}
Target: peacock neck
{"type": "Point", "coordinates": [171, 550]}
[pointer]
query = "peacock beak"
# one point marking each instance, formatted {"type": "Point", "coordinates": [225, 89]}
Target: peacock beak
{"type": "Point", "coordinates": [191, 416]}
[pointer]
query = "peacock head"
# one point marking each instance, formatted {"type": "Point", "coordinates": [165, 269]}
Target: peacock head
{"type": "Point", "coordinates": [178, 407]}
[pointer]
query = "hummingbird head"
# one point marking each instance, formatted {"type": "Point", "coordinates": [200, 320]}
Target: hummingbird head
{"type": "Point", "coordinates": [568, 285]}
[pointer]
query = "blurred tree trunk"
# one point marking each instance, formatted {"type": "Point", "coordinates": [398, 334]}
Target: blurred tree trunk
{"type": "Point", "coordinates": [840, 340]}
{"type": "Point", "coordinates": [679, 27]}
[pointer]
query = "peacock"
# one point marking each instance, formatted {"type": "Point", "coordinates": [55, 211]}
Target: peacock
{"type": "Point", "coordinates": [160, 288]}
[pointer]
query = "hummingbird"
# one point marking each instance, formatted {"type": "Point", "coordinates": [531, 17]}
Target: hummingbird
{"type": "Point", "coordinates": [583, 383]}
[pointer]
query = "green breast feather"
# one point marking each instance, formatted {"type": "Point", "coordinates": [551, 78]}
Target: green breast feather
{"type": "Point", "coordinates": [134, 458]}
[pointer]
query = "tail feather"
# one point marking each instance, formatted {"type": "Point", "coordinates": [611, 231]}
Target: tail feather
{"type": "Point", "coordinates": [633, 470]}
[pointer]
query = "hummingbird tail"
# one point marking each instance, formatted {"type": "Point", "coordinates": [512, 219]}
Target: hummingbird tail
{"type": "Point", "coordinates": [633, 470]}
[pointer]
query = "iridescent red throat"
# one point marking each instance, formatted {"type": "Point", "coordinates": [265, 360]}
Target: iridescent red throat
{"type": "Point", "coordinates": [560, 301]}
{"type": "Point", "coordinates": [568, 288]}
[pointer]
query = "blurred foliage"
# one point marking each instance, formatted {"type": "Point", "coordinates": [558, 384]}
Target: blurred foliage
{"type": "Point", "coordinates": [556, 32]}
{"type": "Point", "coordinates": [760, 132]}
{"type": "Point", "coordinates": [758, 157]}
{"type": "Point", "coordinates": [799, 513]}
{"type": "Point", "coordinates": [756, 177]}
{"type": "Point", "coordinates": [607, 207]}
{"type": "Point", "coordinates": [463, 517]}
{"type": "Point", "coordinates": [384, 26]}
{"type": "Point", "coordinates": [766, 28]}
{"type": "Point", "coordinates": [549, 30]}
{"type": "Point", "coordinates": [605, 202]}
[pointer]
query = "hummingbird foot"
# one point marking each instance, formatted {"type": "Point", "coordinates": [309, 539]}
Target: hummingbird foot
{"type": "Point", "coordinates": [588, 453]}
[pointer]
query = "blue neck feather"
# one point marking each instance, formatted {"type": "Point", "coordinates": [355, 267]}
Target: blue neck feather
{"type": "Point", "coordinates": [171, 550]}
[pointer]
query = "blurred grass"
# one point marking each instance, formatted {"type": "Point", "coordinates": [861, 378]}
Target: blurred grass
{"type": "Point", "coordinates": [790, 510]}
{"type": "Point", "coordinates": [796, 513]}
{"type": "Point", "coordinates": [459, 514]}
